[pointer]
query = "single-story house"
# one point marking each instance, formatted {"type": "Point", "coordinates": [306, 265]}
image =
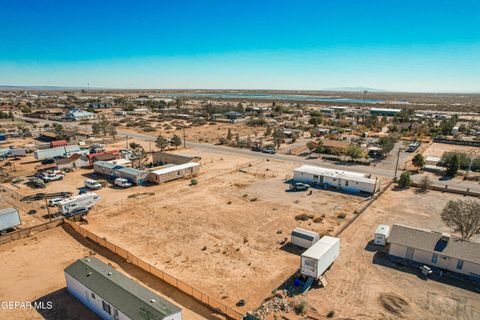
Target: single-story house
{"type": "Point", "coordinates": [105, 168]}
{"type": "Point", "coordinates": [438, 250]}
{"type": "Point", "coordinates": [78, 115]}
{"type": "Point", "coordinates": [112, 295]}
{"type": "Point", "coordinates": [336, 146]}
{"type": "Point", "coordinates": [122, 162]}
{"type": "Point", "coordinates": [95, 156]}
{"type": "Point", "coordinates": [74, 161]}
{"type": "Point", "coordinates": [169, 158]}
{"type": "Point", "coordinates": [58, 143]}
{"type": "Point", "coordinates": [185, 170]}
{"type": "Point", "coordinates": [136, 176]}
{"type": "Point", "coordinates": [384, 112]}
{"type": "Point", "coordinates": [343, 180]}
{"type": "Point", "coordinates": [103, 157]}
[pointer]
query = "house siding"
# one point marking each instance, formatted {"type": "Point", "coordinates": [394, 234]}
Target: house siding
{"type": "Point", "coordinates": [341, 183]}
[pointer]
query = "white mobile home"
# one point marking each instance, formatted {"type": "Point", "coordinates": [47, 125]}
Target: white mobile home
{"type": "Point", "coordinates": [304, 238]}
{"type": "Point", "coordinates": [138, 177]}
{"type": "Point", "coordinates": [185, 170]}
{"type": "Point", "coordinates": [112, 295]}
{"type": "Point", "coordinates": [439, 250]}
{"type": "Point", "coordinates": [381, 235]}
{"type": "Point", "coordinates": [343, 180]}
{"type": "Point", "coordinates": [319, 257]}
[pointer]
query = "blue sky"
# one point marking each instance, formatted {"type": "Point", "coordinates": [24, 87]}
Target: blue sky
{"type": "Point", "coordinates": [252, 44]}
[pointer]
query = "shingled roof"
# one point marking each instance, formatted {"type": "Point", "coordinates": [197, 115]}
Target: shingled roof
{"type": "Point", "coordinates": [126, 295]}
{"type": "Point", "coordinates": [435, 242]}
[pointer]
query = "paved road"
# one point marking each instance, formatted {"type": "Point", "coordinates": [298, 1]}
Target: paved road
{"type": "Point", "coordinates": [385, 168]}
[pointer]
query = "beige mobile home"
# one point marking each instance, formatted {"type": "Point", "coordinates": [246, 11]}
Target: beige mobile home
{"type": "Point", "coordinates": [185, 170]}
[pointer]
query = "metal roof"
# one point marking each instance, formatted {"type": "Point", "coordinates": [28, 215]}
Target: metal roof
{"type": "Point", "coordinates": [131, 171]}
{"type": "Point", "coordinates": [175, 168]}
{"type": "Point", "coordinates": [347, 175]}
{"type": "Point", "coordinates": [106, 164]}
{"type": "Point", "coordinates": [320, 247]}
{"type": "Point", "coordinates": [431, 241]}
{"type": "Point", "coordinates": [9, 218]}
{"type": "Point", "coordinates": [126, 295]}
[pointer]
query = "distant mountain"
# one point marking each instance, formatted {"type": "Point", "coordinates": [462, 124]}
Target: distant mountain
{"type": "Point", "coordinates": [355, 89]}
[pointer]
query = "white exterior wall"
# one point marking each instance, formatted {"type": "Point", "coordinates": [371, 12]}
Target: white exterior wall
{"type": "Point", "coordinates": [84, 294]}
{"type": "Point", "coordinates": [178, 174]}
{"type": "Point", "coordinates": [341, 183]}
{"type": "Point", "coordinates": [443, 262]}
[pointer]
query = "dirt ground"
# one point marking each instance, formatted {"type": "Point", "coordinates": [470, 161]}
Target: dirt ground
{"type": "Point", "coordinates": [438, 149]}
{"type": "Point", "coordinates": [362, 284]}
{"type": "Point", "coordinates": [226, 235]}
{"type": "Point", "coordinates": [32, 270]}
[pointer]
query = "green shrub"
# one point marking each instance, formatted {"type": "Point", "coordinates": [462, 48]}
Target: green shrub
{"type": "Point", "coordinates": [194, 182]}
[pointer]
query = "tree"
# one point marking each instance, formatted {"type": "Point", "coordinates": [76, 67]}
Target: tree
{"type": "Point", "coordinates": [418, 161]}
{"type": "Point", "coordinates": [425, 183]}
{"type": "Point", "coordinates": [311, 145]}
{"type": "Point", "coordinates": [237, 139]}
{"type": "Point", "coordinates": [463, 216]}
{"type": "Point", "coordinates": [386, 144]}
{"type": "Point", "coordinates": [268, 131]}
{"type": "Point", "coordinates": [176, 141]}
{"type": "Point", "coordinates": [405, 180]}
{"type": "Point", "coordinates": [104, 127]}
{"type": "Point", "coordinates": [229, 135]}
{"type": "Point", "coordinates": [278, 136]}
{"type": "Point", "coordinates": [161, 142]}
{"type": "Point", "coordinates": [354, 151]}
{"type": "Point", "coordinates": [139, 155]}
{"type": "Point", "coordinates": [453, 166]}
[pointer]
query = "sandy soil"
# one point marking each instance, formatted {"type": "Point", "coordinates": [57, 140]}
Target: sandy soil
{"type": "Point", "coordinates": [224, 235]}
{"type": "Point", "coordinates": [438, 149]}
{"type": "Point", "coordinates": [32, 270]}
{"type": "Point", "coordinates": [362, 284]}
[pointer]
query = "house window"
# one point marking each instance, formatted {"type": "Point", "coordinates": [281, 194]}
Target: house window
{"type": "Point", "coordinates": [460, 264]}
{"type": "Point", "coordinates": [106, 307]}
{"type": "Point", "coordinates": [434, 258]}
{"type": "Point", "coordinates": [315, 177]}
{"type": "Point", "coordinates": [346, 183]}
{"type": "Point", "coordinates": [93, 295]}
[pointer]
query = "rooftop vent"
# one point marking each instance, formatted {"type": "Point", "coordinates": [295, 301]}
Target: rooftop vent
{"type": "Point", "coordinates": [109, 273]}
{"type": "Point", "coordinates": [153, 300]}
{"type": "Point", "coordinates": [89, 274]}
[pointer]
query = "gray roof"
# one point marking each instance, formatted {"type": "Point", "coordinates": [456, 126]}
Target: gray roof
{"type": "Point", "coordinates": [126, 295]}
{"type": "Point", "coordinates": [433, 242]}
{"type": "Point", "coordinates": [131, 171]}
{"type": "Point", "coordinates": [106, 164]}
{"type": "Point", "coordinates": [9, 218]}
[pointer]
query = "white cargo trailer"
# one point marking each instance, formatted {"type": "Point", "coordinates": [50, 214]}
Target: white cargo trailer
{"type": "Point", "coordinates": [304, 238]}
{"type": "Point", "coordinates": [75, 203]}
{"type": "Point", "coordinates": [319, 257]}
{"type": "Point", "coordinates": [381, 234]}
{"type": "Point", "coordinates": [9, 219]}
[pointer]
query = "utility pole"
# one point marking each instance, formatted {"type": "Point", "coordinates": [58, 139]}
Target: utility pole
{"type": "Point", "coordinates": [184, 143]}
{"type": "Point", "coordinates": [48, 208]}
{"type": "Point", "coordinates": [396, 165]}
{"type": "Point", "coordinates": [126, 142]}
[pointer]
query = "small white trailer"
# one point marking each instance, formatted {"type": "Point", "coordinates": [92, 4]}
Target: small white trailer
{"type": "Point", "coordinates": [9, 219]}
{"type": "Point", "coordinates": [304, 238]}
{"type": "Point", "coordinates": [381, 235]}
{"type": "Point", "coordinates": [79, 202]}
{"type": "Point", "coordinates": [319, 257]}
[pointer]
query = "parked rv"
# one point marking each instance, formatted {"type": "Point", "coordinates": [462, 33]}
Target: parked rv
{"type": "Point", "coordinates": [122, 182]}
{"type": "Point", "coordinates": [381, 235]}
{"type": "Point", "coordinates": [319, 257]}
{"type": "Point", "coordinates": [55, 201]}
{"type": "Point", "coordinates": [9, 219]}
{"type": "Point", "coordinates": [83, 201]}
{"type": "Point", "coordinates": [92, 184]}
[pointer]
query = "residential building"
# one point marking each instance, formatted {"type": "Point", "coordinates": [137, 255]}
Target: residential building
{"type": "Point", "coordinates": [439, 250]}
{"type": "Point", "coordinates": [169, 173]}
{"type": "Point", "coordinates": [78, 115]}
{"type": "Point", "coordinates": [343, 180]}
{"type": "Point", "coordinates": [112, 295]}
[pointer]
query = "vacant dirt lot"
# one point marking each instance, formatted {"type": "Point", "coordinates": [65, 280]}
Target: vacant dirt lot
{"type": "Point", "coordinates": [362, 284]}
{"type": "Point", "coordinates": [438, 149]}
{"type": "Point", "coordinates": [225, 235]}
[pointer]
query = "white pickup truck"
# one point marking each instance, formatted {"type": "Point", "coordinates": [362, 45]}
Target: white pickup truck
{"type": "Point", "coordinates": [52, 177]}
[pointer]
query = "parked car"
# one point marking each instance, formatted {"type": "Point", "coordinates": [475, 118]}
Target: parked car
{"type": "Point", "coordinates": [92, 184]}
{"type": "Point", "coordinates": [77, 212]}
{"type": "Point", "coordinates": [122, 182]}
{"type": "Point", "coordinates": [53, 202]}
{"type": "Point", "coordinates": [269, 150]}
{"type": "Point", "coordinates": [52, 177]}
{"type": "Point", "coordinates": [256, 149]}
{"type": "Point", "coordinates": [299, 186]}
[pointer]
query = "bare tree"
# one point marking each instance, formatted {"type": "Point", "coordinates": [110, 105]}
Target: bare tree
{"type": "Point", "coordinates": [463, 216]}
{"type": "Point", "coordinates": [104, 127]}
{"type": "Point", "coordinates": [425, 183]}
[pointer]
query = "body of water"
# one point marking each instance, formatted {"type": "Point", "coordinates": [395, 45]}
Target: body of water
{"type": "Point", "coordinates": [289, 97]}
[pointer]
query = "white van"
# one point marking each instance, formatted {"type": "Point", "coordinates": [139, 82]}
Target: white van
{"type": "Point", "coordinates": [122, 182]}
{"type": "Point", "coordinates": [92, 184]}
